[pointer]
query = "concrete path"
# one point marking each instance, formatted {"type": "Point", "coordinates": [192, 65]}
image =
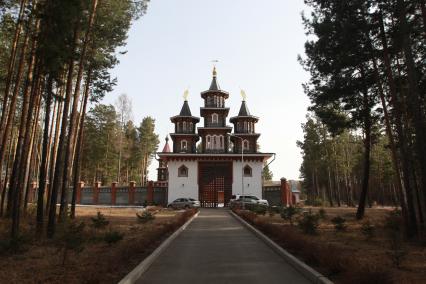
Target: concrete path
{"type": "Point", "coordinates": [216, 248]}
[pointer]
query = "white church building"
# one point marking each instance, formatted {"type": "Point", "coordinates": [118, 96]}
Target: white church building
{"type": "Point", "coordinates": [213, 161]}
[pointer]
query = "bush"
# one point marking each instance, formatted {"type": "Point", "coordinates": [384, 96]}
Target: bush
{"type": "Point", "coordinates": [322, 214]}
{"type": "Point", "coordinates": [272, 210]}
{"type": "Point", "coordinates": [317, 202]}
{"type": "Point", "coordinates": [99, 222]}
{"type": "Point", "coordinates": [113, 237]}
{"type": "Point", "coordinates": [70, 237]}
{"type": "Point", "coordinates": [393, 225]}
{"type": "Point", "coordinates": [288, 213]}
{"type": "Point", "coordinates": [339, 223]}
{"type": "Point", "coordinates": [258, 209]}
{"type": "Point", "coordinates": [309, 223]}
{"type": "Point", "coordinates": [368, 229]}
{"type": "Point", "coordinates": [145, 217]}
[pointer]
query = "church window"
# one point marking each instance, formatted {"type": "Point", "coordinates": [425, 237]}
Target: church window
{"type": "Point", "coordinates": [208, 146]}
{"type": "Point", "coordinates": [191, 126]}
{"type": "Point", "coordinates": [214, 142]}
{"type": "Point", "coordinates": [184, 126]}
{"type": "Point", "coordinates": [221, 141]}
{"type": "Point", "coordinates": [178, 126]}
{"type": "Point", "coordinates": [215, 118]}
{"type": "Point", "coordinates": [238, 127]}
{"type": "Point", "coordinates": [247, 171]}
{"type": "Point", "coordinates": [245, 126]}
{"type": "Point", "coordinates": [246, 145]}
{"type": "Point", "coordinates": [183, 171]}
{"type": "Point", "coordinates": [215, 101]}
{"type": "Point", "coordinates": [183, 145]}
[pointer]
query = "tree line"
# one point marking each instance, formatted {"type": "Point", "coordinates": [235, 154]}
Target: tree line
{"type": "Point", "coordinates": [367, 89]}
{"type": "Point", "coordinates": [114, 148]}
{"type": "Point", "coordinates": [55, 59]}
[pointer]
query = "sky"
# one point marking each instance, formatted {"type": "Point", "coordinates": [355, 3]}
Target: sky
{"type": "Point", "coordinates": [256, 43]}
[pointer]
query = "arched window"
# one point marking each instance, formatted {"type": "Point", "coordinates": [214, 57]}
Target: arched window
{"type": "Point", "coordinates": [221, 142]}
{"type": "Point", "coordinates": [215, 118]}
{"type": "Point", "coordinates": [238, 126]}
{"type": "Point", "coordinates": [245, 126]}
{"type": "Point", "coordinates": [183, 171]}
{"type": "Point", "coordinates": [214, 142]}
{"type": "Point", "coordinates": [178, 126]}
{"type": "Point", "coordinates": [208, 144]}
{"type": "Point", "coordinates": [246, 145]}
{"type": "Point", "coordinates": [191, 126]}
{"type": "Point", "coordinates": [183, 145]}
{"type": "Point", "coordinates": [184, 126]}
{"type": "Point", "coordinates": [247, 171]}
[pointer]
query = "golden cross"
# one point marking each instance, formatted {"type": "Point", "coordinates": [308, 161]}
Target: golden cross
{"type": "Point", "coordinates": [186, 95]}
{"type": "Point", "coordinates": [243, 95]}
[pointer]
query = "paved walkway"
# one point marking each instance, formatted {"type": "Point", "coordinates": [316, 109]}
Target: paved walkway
{"type": "Point", "coordinates": [216, 248]}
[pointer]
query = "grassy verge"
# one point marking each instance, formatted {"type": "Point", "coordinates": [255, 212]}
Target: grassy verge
{"type": "Point", "coordinates": [101, 253]}
{"type": "Point", "coordinates": [345, 252]}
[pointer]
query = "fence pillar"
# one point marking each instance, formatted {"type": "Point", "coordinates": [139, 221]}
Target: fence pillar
{"type": "Point", "coordinates": [80, 186]}
{"type": "Point", "coordinates": [132, 192]}
{"type": "Point", "coordinates": [113, 192]}
{"type": "Point", "coordinates": [96, 192]}
{"type": "Point", "coordinates": [284, 192]}
{"type": "Point", "coordinates": [150, 193]}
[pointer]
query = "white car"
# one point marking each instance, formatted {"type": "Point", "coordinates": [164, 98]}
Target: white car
{"type": "Point", "coordinates": [248, 199]}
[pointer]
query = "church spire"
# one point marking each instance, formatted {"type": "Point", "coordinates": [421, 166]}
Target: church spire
{"type": "Point", "coordinates": [214, 86]}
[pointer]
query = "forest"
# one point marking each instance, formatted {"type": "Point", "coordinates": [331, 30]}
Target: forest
{"type": "Point", "coordinates": [365, 134]}
{"type": "Point", "coordinates": [55, 62]}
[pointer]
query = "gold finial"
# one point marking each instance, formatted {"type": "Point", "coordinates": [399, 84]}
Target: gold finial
{"type": "Point", "coordinates": [243, 95]}
{"type": "Point", "coordinates": [214, 71]}
{"type": "Point", "coordinates": [186, 95]}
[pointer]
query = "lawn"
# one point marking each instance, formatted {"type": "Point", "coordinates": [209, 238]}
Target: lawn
{"type": "Point", "coordinates": [350, 255]}
{"type": "Point", "coordinates": [41, 261]}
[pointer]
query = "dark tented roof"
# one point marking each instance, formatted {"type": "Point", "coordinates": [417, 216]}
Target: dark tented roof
{"type": "Point", "coordinates": [214, 86]}
{"type": "Point", "coordinates": [185, 111]}
{"type": "Point", "coordinates": [244, 110]}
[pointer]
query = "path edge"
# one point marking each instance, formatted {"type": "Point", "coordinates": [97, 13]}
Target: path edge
{"type": "Point", "coordinates": [300, 266]}
{"type": "Point", "coordinates": [137, 272]}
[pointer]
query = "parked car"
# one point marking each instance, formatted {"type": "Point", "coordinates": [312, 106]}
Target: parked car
{"type": "Point", "coordinates": [184, 203]}
{"type": "Point", "coordinates": [238, 200]}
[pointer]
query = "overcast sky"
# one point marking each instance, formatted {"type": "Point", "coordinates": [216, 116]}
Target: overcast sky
{"type": "Point", "coordinates": [172, 47]}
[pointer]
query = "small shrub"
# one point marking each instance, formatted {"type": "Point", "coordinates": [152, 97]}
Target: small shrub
{"type": "Point", "coordinates": [112, 237]}
{"type": "Point", "coordinates": [339, 223]}
{"type": "Point", "coordinates": [368, 229]}
{"type": "Point", "coordinates": [145, 217]}
{"type": "Point", "coordinates": [258, 209]}
{"type": "Point", "coordinates": [393, 225]}
{"type": "Point", "coordinates": [99, 222]}
{"type": "Point", "coordinates": [70, 237]}
{"type": "Point", "coordinates": [322, 214]}
{"type": "Point", "coordinates": [272, 210]}
{"type": "Point", "coordinates": [309, 223]}
{"type": "Point", "coordinates": [288, 213]}
{"type": "Point", "coordinates": [317, 202]}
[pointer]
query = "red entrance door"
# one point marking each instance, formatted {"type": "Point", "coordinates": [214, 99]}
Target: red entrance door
{"type": "Point", "coordinates": [215, 183]}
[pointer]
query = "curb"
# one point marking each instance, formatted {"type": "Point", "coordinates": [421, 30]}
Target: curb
{"type": "Point", "coordinates": [137, 272]}
{"type": "Point", "coordinates": [300, 266]}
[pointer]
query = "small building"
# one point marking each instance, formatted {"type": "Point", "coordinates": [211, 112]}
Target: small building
{"type": "Point", "coordinates": [213, 161]}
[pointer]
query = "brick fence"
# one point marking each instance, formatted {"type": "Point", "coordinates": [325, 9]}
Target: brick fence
{"type": "Point", "coordinates": [153, 193]}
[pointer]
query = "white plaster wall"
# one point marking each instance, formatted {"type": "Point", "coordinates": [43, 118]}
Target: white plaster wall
{"type": "Point", "coordinates": [183, 186]}
{"type": "Point", "coordinates": [253, 184]}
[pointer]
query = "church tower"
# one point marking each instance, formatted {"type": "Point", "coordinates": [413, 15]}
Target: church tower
{"type": "Point", "coordinates": [162, 174]}
{"type": "Point", "coordinates": [185, 137]}
{"type": "Point", "coordinates": [214, 132]}
{"type": "Point", "coordinates": [244, 127]}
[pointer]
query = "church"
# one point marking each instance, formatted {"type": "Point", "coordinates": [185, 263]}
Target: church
{"type": "Point", "coordinates": [213, 161]}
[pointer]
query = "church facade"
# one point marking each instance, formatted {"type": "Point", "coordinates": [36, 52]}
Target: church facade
{"type": "Point", "coordinates": [213, 161]}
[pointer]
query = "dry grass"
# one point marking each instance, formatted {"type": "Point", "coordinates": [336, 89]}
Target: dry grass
{"type": "Point", "coordinates": [40, 261]}
{"type": "Point", "coordinates": [347, 257]}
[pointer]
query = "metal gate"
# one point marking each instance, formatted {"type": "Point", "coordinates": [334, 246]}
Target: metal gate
{"type": "Point", "coordinates": [215, 183]}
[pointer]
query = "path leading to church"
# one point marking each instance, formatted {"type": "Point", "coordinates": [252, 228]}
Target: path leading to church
{"type": "Point", "coordinates": [216, 248]}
